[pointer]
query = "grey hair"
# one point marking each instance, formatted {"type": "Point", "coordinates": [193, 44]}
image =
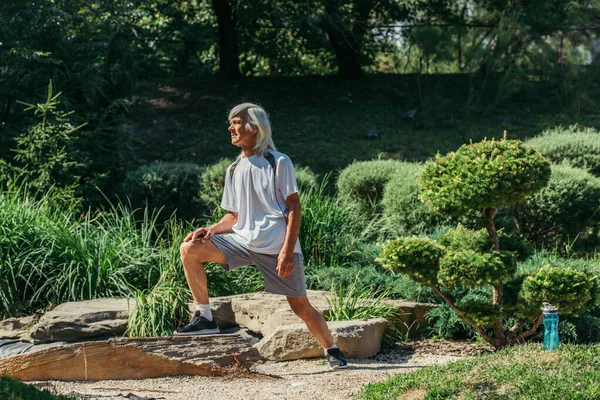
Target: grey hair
{"type": "Point", "coordinates": [257, 118]}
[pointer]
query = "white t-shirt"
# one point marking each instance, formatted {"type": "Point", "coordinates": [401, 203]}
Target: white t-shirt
{"type": "Point", "coordinates": [261, 224]}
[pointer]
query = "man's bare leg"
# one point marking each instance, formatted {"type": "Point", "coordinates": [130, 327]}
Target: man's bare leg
{"type": "Point", "coordinates": [313, 319]}
{"type": "Point", "coordinates": [193, 255]}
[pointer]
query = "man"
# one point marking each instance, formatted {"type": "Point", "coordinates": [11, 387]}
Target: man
{"type": "Point", "coordinates": [263, 211]}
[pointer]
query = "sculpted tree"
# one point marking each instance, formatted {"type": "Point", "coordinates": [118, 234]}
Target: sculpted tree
{"type": "Point", "coordinates": [483, 177]}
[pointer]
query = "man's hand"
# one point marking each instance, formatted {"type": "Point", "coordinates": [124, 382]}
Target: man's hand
{"type": "Point", "coordinates": [285, 264]}
{"type": "Point", "coordinates": [202, 234]}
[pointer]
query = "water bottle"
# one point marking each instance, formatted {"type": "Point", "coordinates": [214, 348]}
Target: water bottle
{"type": "Point", "coordinates": [550, 327]}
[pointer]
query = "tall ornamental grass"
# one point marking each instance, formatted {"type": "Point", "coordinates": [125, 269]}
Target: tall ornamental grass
{"type": "Point", "coordinates": [50, 255]}
{"type": "Point", "coordinates": [329, 230]}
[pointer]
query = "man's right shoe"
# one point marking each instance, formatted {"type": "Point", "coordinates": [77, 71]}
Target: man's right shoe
{"type": "Point", "coordinates": [198, 326]}
{"type": "Point", "coordinates": [336, 359]}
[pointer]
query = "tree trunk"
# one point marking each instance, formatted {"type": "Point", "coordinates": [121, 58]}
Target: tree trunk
{"type": "Point", "coordinates": [228, 46]}
{"type": "Point", "coordinates": [497, 292]}
{"type": "Point", "coordinates": [347, 41]}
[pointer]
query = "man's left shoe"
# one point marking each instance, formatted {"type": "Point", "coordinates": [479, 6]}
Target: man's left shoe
{"type": "Point", "coordinates": [198, 326]}
{"type": "Point", "coordinates": [336, 359]}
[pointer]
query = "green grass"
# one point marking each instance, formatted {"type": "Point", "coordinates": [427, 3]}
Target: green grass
{"type": "Point", "coordinates": [522, 372]}
{"type": "Point", "coordinates": [14, 390]}
{"type": "Point", "coordinates": [322, 122]}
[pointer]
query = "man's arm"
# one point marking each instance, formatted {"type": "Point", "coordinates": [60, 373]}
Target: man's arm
{"type": "Point", "coordinates": [224, 225]}
{"type": "Point", "coordinates": [285, 261]}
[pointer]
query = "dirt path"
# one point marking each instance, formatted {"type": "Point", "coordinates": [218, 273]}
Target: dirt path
{"type": "Point", "coordinates": [293, 380]}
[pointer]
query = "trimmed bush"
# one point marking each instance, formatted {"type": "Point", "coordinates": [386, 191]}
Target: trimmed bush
{"type": "Point", "coordinates": [488, 174]}
{"type": "Point", "coordinates": [416, 257]}
{"type": "Point", "coordinates": [575, 145]}
{"type": "Point", "coordinates": [483, 177]}
{"type": "Point", "coordinates": [564, 208]}
{"type": "Point", "coordinates": [174, 186]}
{"type": "Point", "coordinates": [403, 212]}
{"type": "Point", "coordinates": [362, 183]}
{"type": "Point", "coordinates": [305, 178]}
{"type": "Point", "coordinates": [212, 183]}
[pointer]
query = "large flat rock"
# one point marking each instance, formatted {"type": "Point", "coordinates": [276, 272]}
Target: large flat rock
{"type": "Point", "coordinates": [132, 358]}
{"type": "Point", "coordinates": [356, 338]}
{"type": "Point", "coordinates": [16, 328]}
{"type": "Point", "coordinates": [82, 320]}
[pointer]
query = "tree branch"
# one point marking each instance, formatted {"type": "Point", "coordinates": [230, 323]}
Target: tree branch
{"type": "Point", "coordinates": [493, 341]}
{"type": "Point", "coordinates": [529, 332]}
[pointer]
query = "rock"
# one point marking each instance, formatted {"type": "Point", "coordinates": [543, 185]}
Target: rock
{"type": "Point", "coordinates": [264, 312]}
{"type": "Point", "coordinates": [11, 347]}
{"type": "Point", "coordinates": [208, 355]}
{"type": "Point", "coordinates": [357, 339]}
{"type": "Point", "coordinates": [413, 319]}
{"type": "Point", "coordinates": [82, 320]}
{"type": "Point", "coordinates": [16, 328]}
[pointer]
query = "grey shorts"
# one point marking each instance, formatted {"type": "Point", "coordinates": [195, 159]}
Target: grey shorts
{"type": "Point", "coordinates": [238, 256]}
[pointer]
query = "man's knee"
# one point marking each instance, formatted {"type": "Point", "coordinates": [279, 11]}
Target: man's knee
{"type": "Point", "coordinates": [189, 250]}
{"type": "Point", "coordinates": [301, 307]}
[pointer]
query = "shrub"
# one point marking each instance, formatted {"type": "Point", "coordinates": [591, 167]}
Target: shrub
{"type": "Point", "coordinates": [576, 145]}
{"type": "Point", "coordinates": [483, 177]}
{"type": "Point", "coordinates": [563, 209]}
{"type": "Point", "coordinates": [173, 186]}
{"type": "Point", "coordinates": [212, 183]}
{"type": "Point", "coordinates": [403, 212]}
{"type": "Point", "coordinates": [305, 178]}
{"type": "Point", "coordinates": [362, 183]}
{"type": "Point", "coordinates": [44, 156]}
{"type": "Point", "coordinates": [369, 276]}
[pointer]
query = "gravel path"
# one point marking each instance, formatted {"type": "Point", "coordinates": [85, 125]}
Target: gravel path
{"type": "Point", "coordinates": [291, 380]}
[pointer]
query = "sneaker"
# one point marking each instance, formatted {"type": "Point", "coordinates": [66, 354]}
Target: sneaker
{"type": "Point", "coordinates": [198, 326]}
{"type": "Point", "coordinates": [336, 359]}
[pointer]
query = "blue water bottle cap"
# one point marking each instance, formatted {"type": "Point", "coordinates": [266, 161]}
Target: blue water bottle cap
{"type": "Point", "coordinates": [549, 308]}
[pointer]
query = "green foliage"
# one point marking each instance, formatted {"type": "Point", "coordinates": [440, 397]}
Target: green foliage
{"type": "Point", "coordinates": [563, 209]}
{"type": "Point", "coordinates": [329, 230]}
{"type": "Point", "coordinates": [576, 145]}
{"type": "Point", "coordinates": [473, 269]}
{"type": "Point", "coordinates": [480, 311]}
{"type": "Point", "coordinates": [461, 238]}
{"type": "Point", "coordinates": [305, 178]}
{"type": "Point", "coordinates": [416, 257]}
{"type": "Point", "coordinates": [50, 255]}
{"type": "Point", "coordinates": [171, 186]}
{"type": "Point", "coordinates": [567, 289]}
{"type": "Point", "coordinates": [369, 276]}
{"type": "Point", "coordinates": [212, 183]}
{"type": "Point", "coordinates": [11, 389]}
{"type": "Point", "coordinates": [521, 372]}
{"type": "Point", "coordinates": [160, 310]}
{"type": "Point", "coordinates": [443, 323]}
{"type": "Point", "coordinates": [44, 155]}
{"type": "Point", "coordinates": [362, 183]}
{"type": "Point", "coordinates": [403, 213]}
{"type": "Point", "coordinates": [351, 303]}
{"type": "Point", "coordinates": [488, 174]}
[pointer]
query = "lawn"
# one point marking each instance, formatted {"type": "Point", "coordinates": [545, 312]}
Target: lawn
{"type": "Point", "coordinates": [521, 372]}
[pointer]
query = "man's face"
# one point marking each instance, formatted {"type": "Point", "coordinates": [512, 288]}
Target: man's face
{"type": "Point", "coordinates": [240, 136]}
